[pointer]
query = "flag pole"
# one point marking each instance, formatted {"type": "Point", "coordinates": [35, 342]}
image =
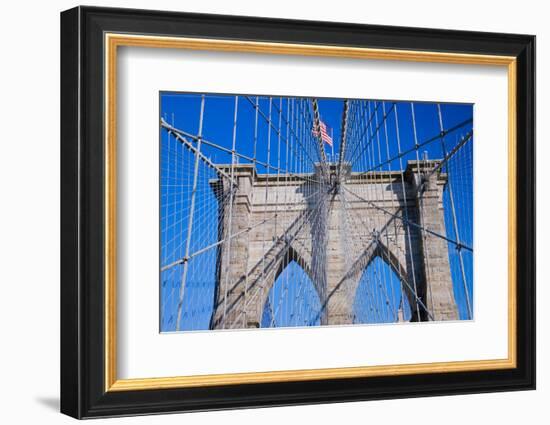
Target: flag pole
{"type": "Point", "coordinates": [332, 144]}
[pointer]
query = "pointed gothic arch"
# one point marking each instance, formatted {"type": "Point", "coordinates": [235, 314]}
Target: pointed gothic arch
{"type": "Point", "coordinates": [292, 287]}
{"type": "Point", "coordinates": [411, 279]}
{"type": "Point", "coordinates": [381, 281]}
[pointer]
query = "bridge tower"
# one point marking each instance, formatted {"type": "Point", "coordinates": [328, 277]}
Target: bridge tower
{"type": "Point", "coordinates": [275, 217]}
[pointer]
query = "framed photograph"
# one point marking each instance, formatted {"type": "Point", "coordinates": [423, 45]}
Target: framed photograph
{"type": "Point", "coordinates": [261, 212]}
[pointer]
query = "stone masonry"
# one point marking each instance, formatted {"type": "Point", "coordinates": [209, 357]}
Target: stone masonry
{"type": "Point", "coordinates": [333, 228]}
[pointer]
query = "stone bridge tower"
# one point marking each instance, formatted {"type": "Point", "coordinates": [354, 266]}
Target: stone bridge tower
{"type": "Point", "coordinates": [303, 216]}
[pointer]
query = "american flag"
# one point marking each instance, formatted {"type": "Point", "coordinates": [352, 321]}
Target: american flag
{"type": "Point", "coordinates": [324, 133]}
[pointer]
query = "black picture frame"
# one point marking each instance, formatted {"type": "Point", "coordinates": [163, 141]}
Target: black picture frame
{"type": "Point", "coordinates": [83, 392]}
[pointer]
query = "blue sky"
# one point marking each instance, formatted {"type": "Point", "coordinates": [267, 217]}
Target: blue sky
{"type": "Point", "coordinates": [184, 109]}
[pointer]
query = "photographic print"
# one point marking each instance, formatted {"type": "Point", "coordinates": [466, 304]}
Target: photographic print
{"type": "Point", "coordinates": [297, 212]}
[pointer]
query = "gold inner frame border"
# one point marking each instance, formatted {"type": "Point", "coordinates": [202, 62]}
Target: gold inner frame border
{"type": "Point", "coordinates": [113, 40]}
